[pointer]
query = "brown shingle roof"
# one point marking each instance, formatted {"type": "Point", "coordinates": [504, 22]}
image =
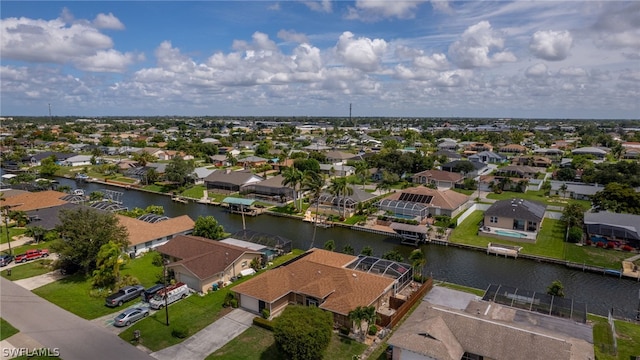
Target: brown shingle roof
{"type": "Point", "coordinates": [445, 199]}
{"type": "Point", "coordinates": [440, 175]}
{"type": "Point", "coordinates": [141, 231]}
{"type": "Point", "coordinates": [320, 274]}
{"type": "Point", "coordinates": [34, 200]}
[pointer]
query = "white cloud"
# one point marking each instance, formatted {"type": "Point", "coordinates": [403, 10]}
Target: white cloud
{"type": "Point", "coordinates": [373, 10]}
{"type": "Point", "coordinates": [293, 36]}
{"type": "Point", "coordinates": [106, 61]}
{"type": "Point", "coordinates": [475, 47]}
{"type": "Point", "coordinates": [435, 61]}
{"type": "Point", "coordinates": [307, 58]}
{"type": "Point", "coordinates": [573, 72]}
{"type": "Point", "coordinates": [361, 53]}
{"type": "Point", "coordinates": [442, 6]}
{"type": "Point", "coordinates": [617, 26]}
{"type": "Point", "coordinates": [319, 6]}
{"type": "Point", "coordinates": [551, 45]}
{"type": "Point", "coordinates": [108, 21]}
{"type": "Point", "coordinates": [539, 70]}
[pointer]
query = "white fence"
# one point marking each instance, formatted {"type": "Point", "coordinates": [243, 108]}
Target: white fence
{"type": "Point", "coordinates": [470, 210]}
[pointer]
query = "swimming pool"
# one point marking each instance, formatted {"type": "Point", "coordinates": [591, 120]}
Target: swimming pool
{"type": "Point", "coordinates": [402, 216]}
{"type": "Point", "coordinates": [510, 233]}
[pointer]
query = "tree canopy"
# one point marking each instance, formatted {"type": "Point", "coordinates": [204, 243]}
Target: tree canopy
{"type": "Point", "coordinates": [303, 332]}
{"type": "Point", "coordinates": [83, 232]}
{"type": "Point", "coordinates": [618, 198]}
{"type": "Point", "coordinates": [208, 227]}
{"type": "Point", "coordinates": [179, 170]}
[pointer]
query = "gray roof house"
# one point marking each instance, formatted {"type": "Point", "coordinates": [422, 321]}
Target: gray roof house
{"type": "Point", "coordinates": [200, 173]}
{"type": "Point", "coordinates": [487, 157]}
{"type": "Point", "coordinates": [614, 226]}
{"type": "Point", "coordinates": [599, 152]}
{"type": "Point", "coordinates": [230, 181]}
{"type": "Point", "coordinates": [579, 191]}
{"type": "Point", "coordinates": [505, 216]}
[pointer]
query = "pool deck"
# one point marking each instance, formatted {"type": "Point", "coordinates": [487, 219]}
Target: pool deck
{"type": "Point", "coordinates": [500, 233]}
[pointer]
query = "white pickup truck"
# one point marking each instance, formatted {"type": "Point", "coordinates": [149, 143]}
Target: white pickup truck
{"type": "Point", "coordinates": [168, 295]}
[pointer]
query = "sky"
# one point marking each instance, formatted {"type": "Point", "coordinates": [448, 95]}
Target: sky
{"type": "Point", "coordinates": [393, 58]}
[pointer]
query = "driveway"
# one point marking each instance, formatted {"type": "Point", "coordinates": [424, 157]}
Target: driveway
{"type": "Point", "coordinates": [56, 328]}
{"type": "Point", "coordinates": [209, 339]}
{"type": "Point", "coordinates": [40, 280]}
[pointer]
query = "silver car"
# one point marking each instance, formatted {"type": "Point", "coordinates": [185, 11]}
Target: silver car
{"type": "Point", "coordinates": [130, 315]}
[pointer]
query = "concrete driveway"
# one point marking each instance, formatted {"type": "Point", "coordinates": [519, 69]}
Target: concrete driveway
{"type": "Point", "coordinates": [209, 339]}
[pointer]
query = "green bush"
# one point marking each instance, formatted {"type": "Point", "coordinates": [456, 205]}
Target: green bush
{"type": "Point", "coordinates": [344, 330]}
{"type": "Point", "coordinates": [263, 323]}
{"type": "Point", "coordinates": [373, 329]}
{"type": "Point", "coordinates": [234, 303]}
{"type": "Point", "coordinates": [575, 234]}
{"type": "Point", "coordinates": [180, 332]}
{"type": "Point", "coordinates": [266, 313]}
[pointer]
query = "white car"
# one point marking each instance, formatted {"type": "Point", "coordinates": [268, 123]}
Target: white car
{"type": "Point", "coordinates": [130, 315]}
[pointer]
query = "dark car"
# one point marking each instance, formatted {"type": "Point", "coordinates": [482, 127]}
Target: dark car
{"type": "Point", "coordinates": [150, 292]}
{"type": "Point", "coordinates": [5, 259]}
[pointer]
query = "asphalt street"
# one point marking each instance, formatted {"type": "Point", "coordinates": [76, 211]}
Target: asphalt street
{"type": "Point", "coordinates": [56, 328]}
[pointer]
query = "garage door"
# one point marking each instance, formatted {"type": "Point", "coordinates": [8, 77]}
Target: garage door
{"type": "Point", "coordinates": [249, 303]}
{"type": "Point", "coordinates": [191, 281]}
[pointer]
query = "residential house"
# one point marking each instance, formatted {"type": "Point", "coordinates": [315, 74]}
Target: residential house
{"type": "Point", "coordinates": [478, 147]}
{"type": "Point", "coordinates": [504, 216]}
{"type": "Point", "coordinates": [36, 159]}
{"type": "Point", "coordinates": [456, 166]}
{"type": "Point", "coordinates": [219, 160]}
{"type": "Point", "coordinates": [270, 189]}
{"type": "Point", "coordinates": [340, 170]}
{"type": "Point", "coordinates": [532, 160]}
{"type": "Point", "coordinates": [252, 161]}
{"type": "Point", "coordinates": [469, 328]}
{"type": "Point", "coordinates": [338, 204]}
{"type": "Point", "coordinates": [624, 228]}
{"type": "Point", "coordinates": [554, 154]}
{"type": "Point", "coordinates": [519, 171]}
{"type": "Point", "coordinates": [332, 281]}
{"type": "Point", "coordinates": [448, 154]}
{"type": "Point", "coordinates": [448, 145]}
{"type": "Point", "coordinates": [27, 201]}
{"type": "Point", "coordinates": [200, 263]}
{"type": "Point", "coordinates": [150, 230]}
{"type": "Point", "coordinates": [230, 181]}
{"type": "Point", "coordinates": [631, 153]}
{"type": "Point", "coordinates": [78, 160]}
{"type": "Point", "coordinates": [487, 157]}
{"type": "Point", "coordinates": [598, 152]}
{"type": "Point", "coordinates": [574, 190]}
{"type": "Point", "coordinates": [157, 152]}
{"type": "Point", "coordinates": [200, 173]}
{"type": "Point", "coordinates": [338, 157]}
{"type": "Point", "coordinates": [438, 178]}
{"type": "Point", "coordinates": [422, 202]}
{"type": "Point", "coordinates": [513, 149]}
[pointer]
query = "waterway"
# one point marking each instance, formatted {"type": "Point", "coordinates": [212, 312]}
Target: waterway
{"type": "Point", "coordinates": [465, 267]}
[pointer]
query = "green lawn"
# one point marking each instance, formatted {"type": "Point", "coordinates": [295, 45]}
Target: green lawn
{"type": "Point", "coordinates": [123, 179]}
{"type": "Point", "coordinates": [258, 344]}
{"type": "Point", "coordinates": [6, 330]}
{"type": "Point", "coordinates": [195, 192]}
{"type": "Point", "coordinates": [23, 248]}
{"type": "Point", "coordinates": [466, 192]}
{"type": "Point", "coordinates": [156, 188]}
{"type": "Point", "coordinates": [628, 339]}
{"type": "Point", "coordinates": [13, 231]}
{"type": "Point", "coordinates": [30, 269]}
{"type": "Point", "coordinates": [73, 292]}
{"type": "Point", "coordinates": [466, 289]}
{"type": "Point", "coordinates": [355, 219]}
{"type": "Point", "coordinates": [539, 197]}
{"type": "Point", "coordinates": [608, 258]}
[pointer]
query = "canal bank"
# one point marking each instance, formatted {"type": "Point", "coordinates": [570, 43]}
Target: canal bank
{"type": "Point", "coordinates": [446, 263]}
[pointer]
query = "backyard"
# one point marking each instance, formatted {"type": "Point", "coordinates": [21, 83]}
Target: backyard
{"type": "Point", "coordinates": [258, 344]}
{"type": "Point", "coordinates": [538, 196]}
{"type": "Point", "coordinates": [628, 339]}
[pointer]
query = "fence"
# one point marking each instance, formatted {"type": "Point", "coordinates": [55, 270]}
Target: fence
{"type": "Point", "coordinates": [612, 324]}
{"type": "Point", "coordinates": [391, 321]}
{"type": "Point", "coordinates": [470, 210]}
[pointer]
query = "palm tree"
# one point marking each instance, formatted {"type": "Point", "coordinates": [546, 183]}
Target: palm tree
{"type": "Point", "coordinates": [418, 261]}
{"type": "Point", "coordinates": [143, 158]}
{"type": "Point", "coordinates": [313, 182]}
{"type": "Point", "coordinates": [348, 249]}
{"type": "Point", "coordinates": [356, 316]}
{"type": "Point", "coordinates": [293, 177]}
{"type": "Point", "coordinates": [362, 170]}
{"type": "Point", "coordinates": [370, 315]}
{"type": "Point", "coordinates": [563, 189]}
{"type": "Point", "coordinates": [340, 186]}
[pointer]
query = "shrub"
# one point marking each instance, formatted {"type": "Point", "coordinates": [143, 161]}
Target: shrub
{"type": "Point", "coordinates": [266, 313]}
{"type": "Point", "coordinates": [227, 299]}
{"type": "Point", "coordinates": [234, 303]}
{"type": "Point", "coordinates": [600, 245]}
{"type": "Point", "coordinates": [589, 242]}
{"type": "Point", "coordinates": [344, 330]}
{"type": "Point", "coordinates": [263, 323]}
{"type": "Point", "coordinates": [627, 248]}
{"type": "Point", "coordinates": [575, 234]}
{"type": "Point", "coordinates": [373, 329]}
{"type": "Point", "coordinates": [180, 332]}
{"type": "Point", "coordinates": [610, 245]}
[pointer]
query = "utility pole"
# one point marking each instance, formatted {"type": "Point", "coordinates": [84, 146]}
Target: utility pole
{"type": "Point", "coordinates": [6, 224]}
{"type": "Point", "coordinates": [49, 112]}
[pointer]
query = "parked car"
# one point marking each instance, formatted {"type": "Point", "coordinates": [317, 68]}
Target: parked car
{"type": "Point", "coordinates": [125, 294]}
{"type": "Point", "coordinates": [169, 295]}
{"type": "Point", "coordinates": [5, 259]}
{"type": "Point", "coordinates": [130, 315]}
{"type": "Point", "coordinates": [149, 293]}
{"type": "Point", "coordinates": [32, 255]}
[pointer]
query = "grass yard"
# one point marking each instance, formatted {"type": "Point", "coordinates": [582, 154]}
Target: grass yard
{"type": "Point", "coordinates": [13, 231]}
{"type": "Point", "coordinates": [156, 188]}
{"type": "Point", "coordinates": [628, 339]}
{"type": "Point", "coordinates": [23, 248]}
{"type": "Point", "coordinates": [6, 330]}
{"type": "Point", "coordinates": [355, 219]}
{"type": "Point", "coordinates": [194, 192]}
{"type": "Point", "coordinates": [73, 292]}
{"type": "Point", "coordinates": [539, 197]}
{"type": "Point", "coordinates": [463, 288]}
{"type": "Point", "coordinates": [549, 243]}
{"type": "Point", "coordinates": [258, 344]}
{"type": "Point", "coordinates": [27, 270]}
{"type": "Point", "coordinates": [608, 258]}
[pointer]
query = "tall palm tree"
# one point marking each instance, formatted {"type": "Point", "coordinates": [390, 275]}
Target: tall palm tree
{"type": "Point", "coordinates": [563, 189]}
{"type": "Point", "coordinates": [356, 316]}
{"type": "Point", "coordinates": [313, 182]}
{"type": "Point", "coordinates": [370, 316]}
{"type": "Point", "coordinates": [340, 188]}
{"type": "Point", "coordinates": [293, 177]}
{"type": "Point", "coordinates": [418, 261]}
{"type": "Point", "coordinates": [362, 170]}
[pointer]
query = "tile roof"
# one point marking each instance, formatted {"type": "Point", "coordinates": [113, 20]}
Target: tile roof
{"type": "Point", "coordinates": [440, 175]}
{"type": "Point", "coordinates": [320, 274]}
{"type": "Point", "coordinates": [35, 200]}
{"type": "Point", "coordinates": [142, 231]}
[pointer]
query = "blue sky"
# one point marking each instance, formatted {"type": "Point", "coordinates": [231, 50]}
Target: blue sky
{"type": "Point", "coordinates": [533, 59]}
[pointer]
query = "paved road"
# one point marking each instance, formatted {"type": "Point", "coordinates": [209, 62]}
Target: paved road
{"type": "Point", "coordinates": [54, 327]}
{"type": "Point", "coordinates": [209, 339]}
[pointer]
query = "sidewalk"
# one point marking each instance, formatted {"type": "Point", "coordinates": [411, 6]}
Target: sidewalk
{"type": "Point", "coordinates": [208, 340]}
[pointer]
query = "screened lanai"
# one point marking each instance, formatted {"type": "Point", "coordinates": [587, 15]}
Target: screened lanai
{"type": "Point", "coordinates": [403, 273]}
{"type": "Point", "coordinates": [404, 209]}
{"type": "Point", "coordinates": [152, 218]}
{"type": "Point", "coordinates": [108, 206]}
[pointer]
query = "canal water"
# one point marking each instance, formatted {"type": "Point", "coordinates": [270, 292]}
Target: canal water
{"type": "Point", "coordinates": [465, 267]}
